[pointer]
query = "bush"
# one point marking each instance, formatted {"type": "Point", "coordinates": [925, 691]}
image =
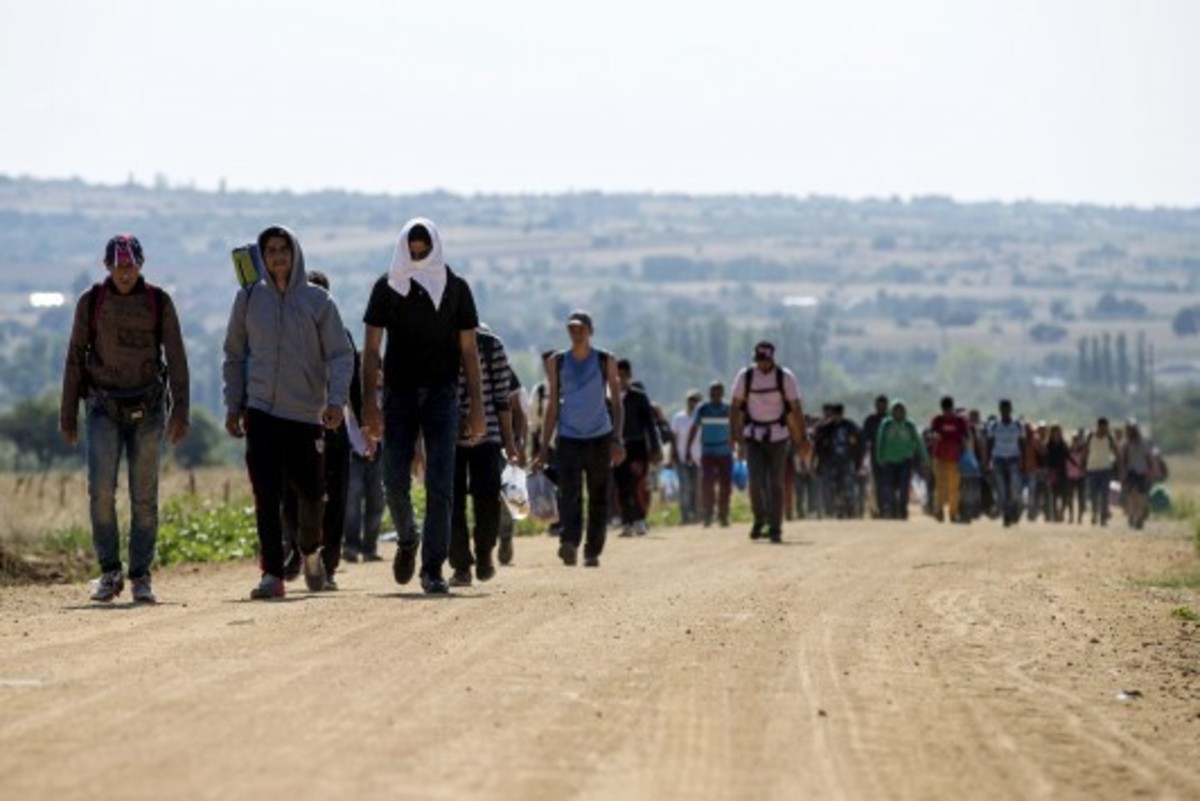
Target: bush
{"type": "Point", "coordinates": [193, 530]}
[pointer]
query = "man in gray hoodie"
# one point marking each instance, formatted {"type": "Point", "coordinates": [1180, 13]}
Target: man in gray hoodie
{"type": "Point", "coordinates": [287, 373]}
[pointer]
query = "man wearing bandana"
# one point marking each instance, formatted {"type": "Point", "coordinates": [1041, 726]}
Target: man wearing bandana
{"type": "Point", "coordinates": [127, 362]}
{"type": "Point", "coordinates": [428, 313]}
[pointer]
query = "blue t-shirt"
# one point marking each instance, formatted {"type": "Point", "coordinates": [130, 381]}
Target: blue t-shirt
{"type": "Point", "coordinates": [713, 421]}
{"type": "Point", "coordinates": [583, 403]}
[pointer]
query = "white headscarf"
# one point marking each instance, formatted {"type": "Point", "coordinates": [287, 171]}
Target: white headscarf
{"type": "Point", "coordinates": [429, 272]}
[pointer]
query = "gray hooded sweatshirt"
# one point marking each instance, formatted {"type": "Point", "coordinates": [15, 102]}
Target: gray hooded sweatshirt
{"type": "Point", "coordinates": [286, 353]}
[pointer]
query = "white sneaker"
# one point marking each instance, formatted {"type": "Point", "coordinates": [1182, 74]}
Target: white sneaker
{"type": "Point", "coordinates": [639, 528]}
{"type": "Point", "coordinates": [314, 571]}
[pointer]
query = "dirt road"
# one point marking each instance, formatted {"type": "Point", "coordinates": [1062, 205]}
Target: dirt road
{"type": "Point", "coordinates": [865, 661]}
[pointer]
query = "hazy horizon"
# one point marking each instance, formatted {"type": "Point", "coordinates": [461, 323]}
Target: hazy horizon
{"type": "Point", "coordinates": [1063, 102]}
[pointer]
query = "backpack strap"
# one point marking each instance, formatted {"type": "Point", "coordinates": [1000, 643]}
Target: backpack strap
{"type": "Point", "coordinates": [154, 301]}
{"type": "Point", "coordinates": [787, 406]}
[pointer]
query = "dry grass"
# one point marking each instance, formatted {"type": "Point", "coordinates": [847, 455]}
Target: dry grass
{"type": "Point", "coordinates": [41, 504]}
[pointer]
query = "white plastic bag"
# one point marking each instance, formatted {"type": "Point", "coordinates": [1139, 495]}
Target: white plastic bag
{"type": "Point", "coordinates": [514, 492]}
{"type": "Point", "coordinates": [543, 498]}
{"type": "Point", "coordinates": [668, 481]}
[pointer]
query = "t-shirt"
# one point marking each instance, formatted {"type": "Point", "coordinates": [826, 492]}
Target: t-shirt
{"type": "Point", "coordinates": [494, 373]}
{"type": "Point", "coordinates": [765, 403]}
{"type": "Point", "coordinates": [1006, 439]}
{"type": "Point", "coordinates": [583, 400]}
{"type": "Point", "coordinates": [423, 347]}
{"type": "Point", "coordinates": [951, 431]}
{"type": "Point", "coordinates": [681, 426]}
{"type": "Point", "coordinates": [713, 420]}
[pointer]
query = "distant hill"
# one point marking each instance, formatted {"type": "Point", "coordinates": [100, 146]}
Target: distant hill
{"type": "Point", "coordinates": [881, 290]}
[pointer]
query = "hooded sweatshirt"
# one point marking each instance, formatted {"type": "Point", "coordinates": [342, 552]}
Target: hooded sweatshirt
{"type": "Point", "coordinates": [899, 440]}
{"type": "Point", "coordinates": [286, 353]}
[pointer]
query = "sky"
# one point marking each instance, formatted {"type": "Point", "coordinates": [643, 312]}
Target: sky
{"type": "Point", "coordinates": [1053, 100]}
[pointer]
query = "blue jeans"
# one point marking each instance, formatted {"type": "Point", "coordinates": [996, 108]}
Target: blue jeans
{"type": "Point", "coordinates": [140, 442]}
{"type": "Point", "coordinates": [432, 414]}
{"type": "Point", "coordinates": [1006, 474]}
{"type": "Point", "coordinates": [364, 505]}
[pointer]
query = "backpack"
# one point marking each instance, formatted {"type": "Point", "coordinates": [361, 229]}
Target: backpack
{"type": "Point", "coordinates": [96, 297]}
{"type": "Point", "coordinates": [561, 356]}
{"type": "Point", "coordinates": [747, 387]}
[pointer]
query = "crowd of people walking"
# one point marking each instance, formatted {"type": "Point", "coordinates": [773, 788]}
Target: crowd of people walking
{"type": "Point", "coordinates": [334, 434]}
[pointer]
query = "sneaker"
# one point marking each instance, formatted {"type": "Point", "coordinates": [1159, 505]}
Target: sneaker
{"type": "Point", "coordinates": [626, 531]}
{"type": "Point", "coordinates": [330, 584]}
{"type": "Point", "coordinates": [461, 578]}
{"type": "Point", "coordinates": [756, 532]}
{"type": "Point", "coordinates": [143, 593]}
{"type": "Point", "coordinates": [350, 555]}
{"type": "Point", "coordinates": [640, 528]}
{"type": "Point", "coordinates": [724, 522]}
{"type": "Point", "coordinates": [506, 551]}
{"type": "Point", "coordinates": [404, 566]}
{"type": "Point", "coordinates": [108, 586]}
{"type": "Point", "coordinates": [372, 557]}
{"type": "Point", "coordinates": [569, 554]}
{"type": "Point", "coordinates": [435, 585]}
{"type": "Point", "coordinates": [591, 561]}
{"type": "Point", "coordinates": [776, 537]}
{"type": "Point", "coordinates": [314, 571]}
{"type": "Point", "coordinates": [270, 587]}
{"type": "Point", "coordinates": [293, 566]}
{"type": "Point", "coordinates": [485, 570]}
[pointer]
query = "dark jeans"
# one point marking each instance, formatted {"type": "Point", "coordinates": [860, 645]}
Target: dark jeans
{"type": "Point", "coordinates": [431, 413]}
{"type": "Point", "coordinates": [630, 477]}
{"type": "Point", "coordinates": [877, 486]}
{"type": "Point", "coordinates": [766, 461]}
{"type": "Point", "coordinates": [716, 479]}
{"type": "Point", "coordinates": [364, 505]}
{"type": "Point", "coordinates": [897, 476]}
{"type": "Point", "coordinates": [285, 455]}
{"type": "Point", "coordinates": [1097, 486]}
{"type": "Point", "coordinates": [581, 460]}
{"type": "Point", "coordinates": [107, 439]}
{"type": "Point", "coordinates": [689, 477]}
{"type": "Point", "coordinates": [476, 472]}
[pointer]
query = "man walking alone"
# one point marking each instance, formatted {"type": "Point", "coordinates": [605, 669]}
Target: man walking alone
{"type": "Point", "coordinates": [123, 328]}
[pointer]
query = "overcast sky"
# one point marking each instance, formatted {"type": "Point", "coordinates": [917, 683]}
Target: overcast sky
{"type": "Point", "coordinates": [1069, 100]}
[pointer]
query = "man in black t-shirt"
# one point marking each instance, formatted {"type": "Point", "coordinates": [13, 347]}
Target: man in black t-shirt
{"type": "Point", "coordinates": [429, 315]}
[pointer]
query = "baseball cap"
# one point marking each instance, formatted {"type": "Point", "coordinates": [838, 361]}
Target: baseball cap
{"type": "Point", "coordinates": [579, 317]}
{"type": "Point", "coordinates": [764, 350]}
{"type": "Point", "coordinates": [123, 249]}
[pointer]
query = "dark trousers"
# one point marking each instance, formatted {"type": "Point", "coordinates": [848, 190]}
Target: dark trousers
{"type": "Point", "coordinates": [581, 460]}
{"type": "Point", "coordinates": [630, 476]}
{"type": "Point", "coordinates": [431, 413]}
{"type": "Point", "coordinates": [333, 521]}
{"type": "Point", "coordinates": [476, 473]}
{"type": "Point", "coordinates": [897, 476]}
{"type": "Point", "coordinates": [364, 505]}
{"type": "Point", "coordinates": [716, 476]}
{"type": "Point", "coordinates": [281, 455]}
{"type": "Point", "coordinates": [766, 462]}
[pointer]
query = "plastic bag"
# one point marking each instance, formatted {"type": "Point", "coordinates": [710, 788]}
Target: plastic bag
{"type": "Point", "coordinates": [543, 498]}
{"type": "Point", "coordinates": [514, 492]}
{"type": "Point", "coordinates": [668, 481]}
{"type": "Point", "coordinates": [741, 474]}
